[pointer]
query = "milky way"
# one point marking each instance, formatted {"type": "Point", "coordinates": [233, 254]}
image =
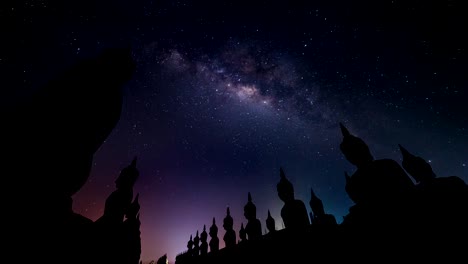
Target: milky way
{"type": "Point", "coordinates": [225, 94]}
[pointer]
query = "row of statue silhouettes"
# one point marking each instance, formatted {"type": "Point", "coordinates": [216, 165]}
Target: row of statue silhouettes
{"type": "Point", "coordinates": [294, 216]}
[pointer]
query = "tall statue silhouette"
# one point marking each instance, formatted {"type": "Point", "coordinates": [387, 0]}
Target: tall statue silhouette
{"type": "Point", "coordinates": [253, 227]}
{"type": "Point", "coordinates": [119, 201]}
{"type": "Point", "coordinates": [319, 216]}
{"type": "Point", "coordinates": [214, 241]}
{"type": "Point", "coordinates": [294, 212]}
{"type": "Point", "coordinates": [56, 133]}
{"type": "Point", "coordinates": [117, 232]}
{"type": "Point", "coordinates": [442, 200]}
{"type": "Point", "coordinates": [380, 188]}
{"type": "Point", "coordinates": [230, 235]}
{"type": "Point", "coordinates": [270, 223]}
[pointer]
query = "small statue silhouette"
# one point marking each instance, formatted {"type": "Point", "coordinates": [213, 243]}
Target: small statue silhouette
{"type": "Point", "coordinates": [190, 246]}
{"type": "Point", "coordinates": [320, 217]}
{"type": "Point", "coordinates": [230, 235]}
{"type": "Point", "coordinates": [242, 233]}
{"type": "Point", "coordinates": [204, 244]}
{"type": "Point", "coordinates": [270, 223]}
{"type": "Point", "coordinates": [294, 212]}
{"type": "Point", "coordinates": [253, 227]}
{"type": "Point", "coordinates": [214, 241]}
{"type": "Point", "coordinates": [196, 245]}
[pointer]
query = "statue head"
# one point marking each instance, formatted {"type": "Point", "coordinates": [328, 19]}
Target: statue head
{"type": "Point", "coordinates": [285, 188]}
{"type": "Point", "coordinates": [354, 149]}
{"type": "Point", "coordinates": [417, 167]}
{"type": "Point", "coordinates": [213, 229]}
{"type": "Point", "coordinates": [228, 221]}
{"type": "Point", "coordinates": [250, 210]}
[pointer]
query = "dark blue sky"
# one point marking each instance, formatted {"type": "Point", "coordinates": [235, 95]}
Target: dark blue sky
{"type": "Point", "coordinates": [226, 93]}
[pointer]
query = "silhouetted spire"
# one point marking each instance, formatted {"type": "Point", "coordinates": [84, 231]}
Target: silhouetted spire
{"type": "Point", "coordinates": [355, 149]}
{"type": "Point", "coordinates": [405, 152]}
{"type": "Point", "coordinates": [344, 130]}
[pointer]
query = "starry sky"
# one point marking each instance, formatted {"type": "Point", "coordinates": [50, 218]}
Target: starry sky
{"type": "Point", "coordinates": [226, 92]}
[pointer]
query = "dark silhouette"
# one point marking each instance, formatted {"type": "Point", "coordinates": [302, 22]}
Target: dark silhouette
{"type": "Point", "coordinates": [196, 245]}
{"type": "Point", "coordinates": [230, 235]}
{"type": "Point", "coordinates": [270, 223]}
{"type": "Point", "coordinates": [132, 243]}
{"type": "Point", "coordinates": [380, 189]}
{"type": "Point", "coordinates": [391, 217]}
{"type": "Point", "coordinates": [56, 133]}
{"type": "Point", "coordinates": [204, 244]}
{"type": "Point", "coordinates": [214, 241]}
{"type": "Point", "coordinates": [162, 260]}
{"type": "Point", "coordinates": [320, 217]}
{"type": "Point", "coordinates": [242, 233]}
{"type": "Point", "coordinates": [253, 227]}
{"type": "Point", "coordinates": [443, 201]}
{"type": "Point", "coordinates": [119, 201]}
{"type": "Point", "coordinates": [117, 232]}
{"type": "Point", "coordinates": [294, 212]}
{"type": "Point", "coordinates": [190, 246]}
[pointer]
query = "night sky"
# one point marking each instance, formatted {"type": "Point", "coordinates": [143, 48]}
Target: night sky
{"type": "Point", "coordinates": [227, 92]}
